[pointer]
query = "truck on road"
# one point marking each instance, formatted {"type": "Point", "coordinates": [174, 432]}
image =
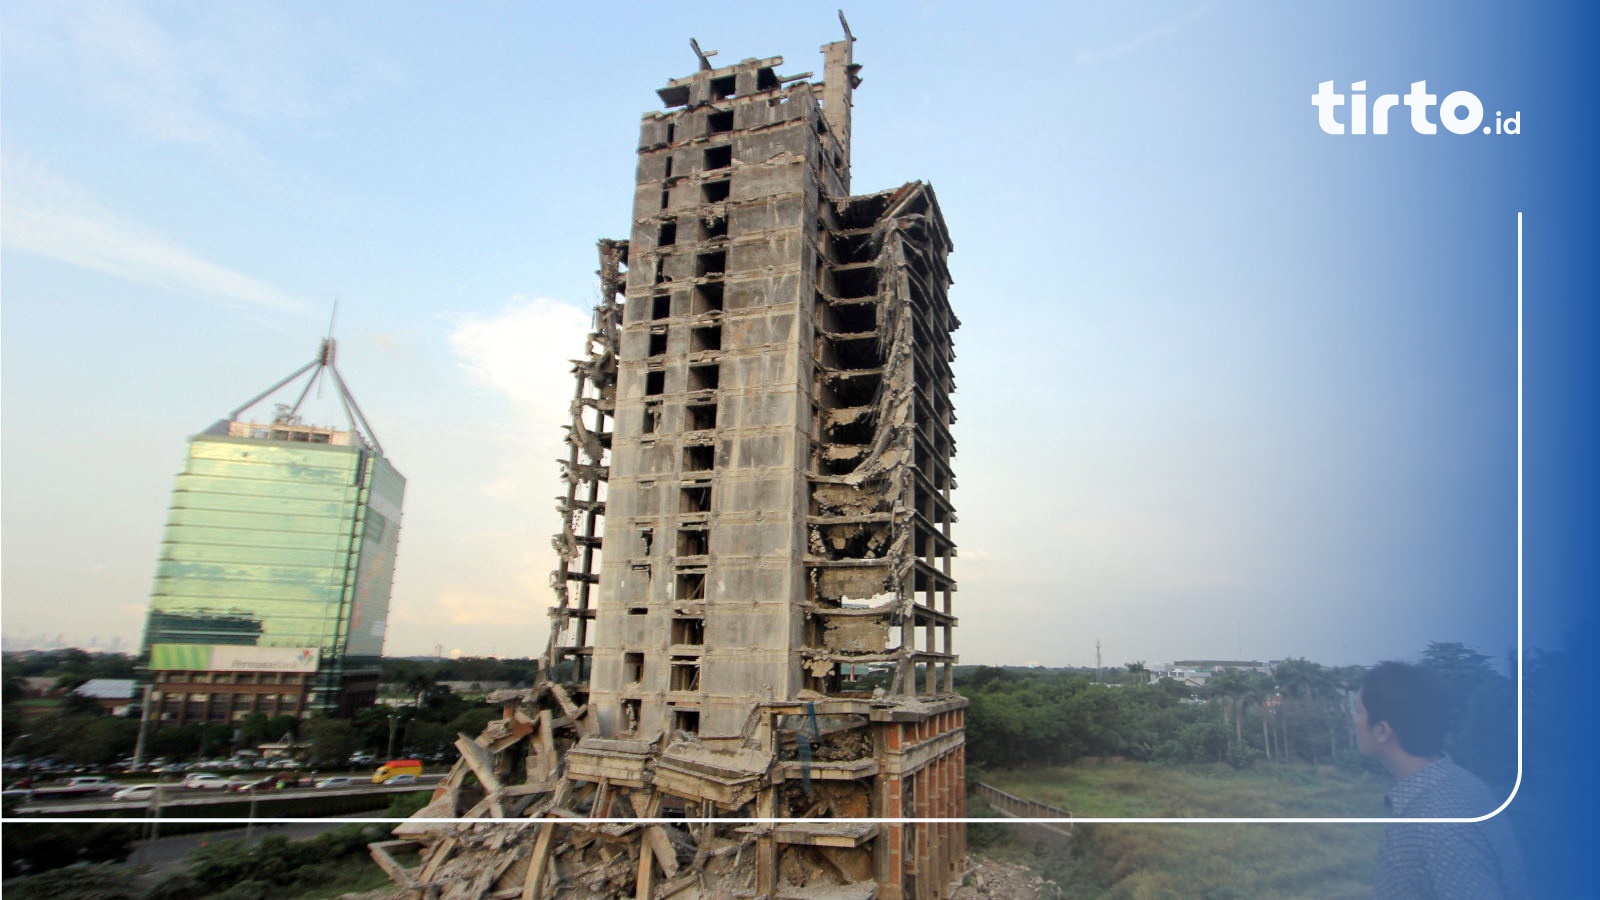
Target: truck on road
{"type": "Point", "coordinates": [397, 767]}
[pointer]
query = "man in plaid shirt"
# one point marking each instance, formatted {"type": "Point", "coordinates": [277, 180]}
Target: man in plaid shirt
{"type": "Point", "coordinates": [1400, 719]}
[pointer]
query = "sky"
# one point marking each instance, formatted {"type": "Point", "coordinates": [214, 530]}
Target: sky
{"type": "Point", "coordinates": [1227, 386]}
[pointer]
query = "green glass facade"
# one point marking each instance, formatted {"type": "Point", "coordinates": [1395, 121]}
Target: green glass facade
{"type": "Point", "coordinates": [280, 543]}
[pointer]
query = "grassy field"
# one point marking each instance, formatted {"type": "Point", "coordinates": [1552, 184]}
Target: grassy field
{"type": "Point", "coordinates": [1201, 861]}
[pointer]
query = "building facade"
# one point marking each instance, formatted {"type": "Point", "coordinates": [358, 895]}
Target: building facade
{"type": "Point", "coordinates": [271, 591]}
{"type": "Point", "coordinates": [758, 507]}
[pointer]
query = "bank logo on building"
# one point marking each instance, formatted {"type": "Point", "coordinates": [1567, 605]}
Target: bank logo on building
{"type": "Point", "coordinates": [232, 658]}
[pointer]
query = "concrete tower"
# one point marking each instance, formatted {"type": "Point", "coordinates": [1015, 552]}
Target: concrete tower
{"type": "Point", "coordinates": [758, 511]}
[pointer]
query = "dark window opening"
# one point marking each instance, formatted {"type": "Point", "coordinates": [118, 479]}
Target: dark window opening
{"type": "Point", "coordinates": [719, 122]}
{"type": "Point", "coordinates": [632, 667]}
{"type": "Point", "coordinates": [695, 499]}
{"type": "Point", "coordinates": [843, 353]}
{"type": "Point", "coordinates": [694, 542]}
{"type": "Point", "coordinates": [715, 227]}
{"type": "Point", "coordinates": [630, 714]}
{"type": "Point", "coordinates": [716, 191]}
{"type": "Point", "coordinates": [685, 677]}
{"type": "Point", "coordinates": [860, 281]}
{"type": "Point", "coordinates": [660, 306]}
{"type": "Point", "coordinates": [699, 458]}
{"type": "Point", "coordinates": [689, 631]}
{"type": "Point", "coordinates": [652, 419]}
{"type": "Point", "coordinates": [707, 298]}
{"type": "Point", "coordinates": [856, 247]}
{"type": "Point", "coordinates": [705, 337]}
{"type": "Point", "coordinates": [658, 343]}
{"type": "Point", "coordinates": [667, 235]}
{"type": "Point", "coordinates": [852, 318]}
{"type": "Point", "coordinates": [702, 417]}
{"type": "Point", "coordinates": [723, 88]}
{"type": "Point", "coordinates": [638, 611]}
{"type": "Point", "coordinates": [672, 130]}
{"type": "Point", "coordinates": [666, 195]}
{"type": "Point", "coordinates": [666, 170]}
{"type": "Point", "coordinates": [719, 157]}
{"type": "Point", "coordinates": [715, 263]}
{"type": "Point", "coordinates": [686, 720]}
{"type": "Point", "coordinates": [703, 378]}
{"type": "Point", "coordinates": [691, 586]}
{"type": "Point", "coordinates": [655, 383]}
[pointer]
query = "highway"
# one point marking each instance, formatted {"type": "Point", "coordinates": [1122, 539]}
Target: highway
{"type": "Point", "coordinates": [176, 801]}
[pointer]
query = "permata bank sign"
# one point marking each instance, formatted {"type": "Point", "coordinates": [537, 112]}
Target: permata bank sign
{"type": "Point", "coordinates": [1460, 112]}
{"type": "Point", "coordinates": [226, 658]}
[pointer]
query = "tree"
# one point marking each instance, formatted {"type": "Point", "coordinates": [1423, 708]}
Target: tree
{"type": "Point", "coordinates": [1307, 690]}
{"type": "Point", "coordinates": [1483, 710]}
{"type": "Point", "coordinates": [420, 683]}
{"type": "Point", "coordinates": [1229, 688]}
{"type": "Point", "coordinates": [332, 740]}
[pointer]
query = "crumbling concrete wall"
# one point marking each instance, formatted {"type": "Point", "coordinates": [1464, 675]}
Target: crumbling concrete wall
{"type": "Point", "coordinates": [774, 813]}
{"type": "Point", "coordinates": [757, 506]}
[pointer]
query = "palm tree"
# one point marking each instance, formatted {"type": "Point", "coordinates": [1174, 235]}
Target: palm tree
{"type": "Point", "coordinates": [420, 683]}
{"type": "Point", "coordinates": [1230, 686]}
{"type": "Point", "coordinates": [1298, 678]}
{"type": "Point", "coordinates": [1259, 690]}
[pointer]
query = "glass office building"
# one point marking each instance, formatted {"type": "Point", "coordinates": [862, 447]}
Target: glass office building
{"type": "Point", "coordinates": [282, 536]}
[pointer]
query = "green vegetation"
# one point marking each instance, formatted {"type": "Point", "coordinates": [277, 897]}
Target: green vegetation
{"type": "Point", "coordinates": [1247, 744]}
{"type": "Point", "coordinates": [36, 848]}
{"type": "Point", "coordinates": [319, 868]}
{"type": "Point", "coordinates": [1298, 713]}
{"type": "Point", "coordinates": [1215, 861]}
{"type": "Point", "coordinates": [1136, 790]}
{"type": "Point", "coordinates": [74, 730]}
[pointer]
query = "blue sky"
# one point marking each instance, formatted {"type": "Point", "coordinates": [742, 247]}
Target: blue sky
{"type": "Point", "coordinates": [1226, 385]}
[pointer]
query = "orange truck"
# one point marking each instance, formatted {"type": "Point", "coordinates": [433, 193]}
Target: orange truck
{"type": "Point", "coordinates": [397, 767]}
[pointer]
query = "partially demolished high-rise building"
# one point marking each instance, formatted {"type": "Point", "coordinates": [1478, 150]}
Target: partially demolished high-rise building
{"type": "Point", "coordinates": [758, 512]}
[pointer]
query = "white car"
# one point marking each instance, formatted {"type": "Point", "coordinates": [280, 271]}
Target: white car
{"type": "Point", "coordinates": [205, 781]}
{"type": "Point", "coordinates": [138, 792]}
{"type": "Point", "coordinates": [337, 781]}
{"type": "Point", "coordinates": [89, 784]}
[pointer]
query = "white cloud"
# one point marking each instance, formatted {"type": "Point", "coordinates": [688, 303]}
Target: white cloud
{"type": "Point", "coordinates": [521, 353]}
{"type": "Point", "coordinates": [48, 215]}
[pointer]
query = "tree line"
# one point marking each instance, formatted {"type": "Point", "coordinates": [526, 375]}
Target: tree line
{"type": "Point", "coordinates": [1299, 712]}
{"type": "Point", "coordinates": [75, 730]}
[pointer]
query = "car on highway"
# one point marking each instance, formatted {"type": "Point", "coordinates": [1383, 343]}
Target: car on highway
{"type": "Point", "coordinates": [407, 778]}
{"type": "Point", "coordinates": [138, 792]}
{"type": "Point", "coordinates": [337, 781]}
{"type": "Point", "coordinates": [89, 784]}
{"type": "Point", "coordinates": [205, 781]}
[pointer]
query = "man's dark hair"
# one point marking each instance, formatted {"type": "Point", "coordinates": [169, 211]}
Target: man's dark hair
{"type": "Point", "coordinates": [1412, 701]}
